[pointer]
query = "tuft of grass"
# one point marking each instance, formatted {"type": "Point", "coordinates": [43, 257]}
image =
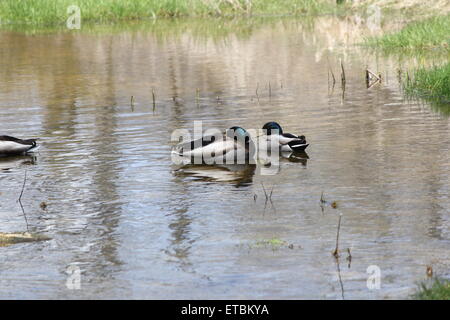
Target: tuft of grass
{"type": "Point", "coordinates": [54, 12]}
{"type": "Point", "coordinates": [431, 84]}
{"type": "Point", "coordinates": [274, 243]}
{"type": "Point", "coordinates": [438, 290]}
{"type": "Point", "coordinates": [429, 33]}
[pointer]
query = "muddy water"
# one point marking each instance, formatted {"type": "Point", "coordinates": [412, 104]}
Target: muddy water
{"type": "Point", "coordinates": [138, 227]}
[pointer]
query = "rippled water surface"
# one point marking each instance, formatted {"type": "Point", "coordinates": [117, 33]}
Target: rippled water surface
{"type": "Point", "coordinates": [138, 226]}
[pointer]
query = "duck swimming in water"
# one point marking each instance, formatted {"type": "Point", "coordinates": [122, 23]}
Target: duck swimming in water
{"type": "Point", "coordinates": [232, 146]}
{"type": "Point", "coordinates": [286, 141]}
{"type": "Point", "coordinates": [10, 146]}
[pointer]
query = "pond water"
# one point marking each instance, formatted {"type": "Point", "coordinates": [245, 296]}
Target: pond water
{"type": "Point", "coordinates": [137, 226]}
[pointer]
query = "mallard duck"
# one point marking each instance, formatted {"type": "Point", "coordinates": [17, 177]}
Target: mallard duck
{"type": "Point", "coordinates": [10, 146]}
{"type": "Point", "coordinates": [232, 146]}
{"type": "Point", "coordinates": [287, 141]}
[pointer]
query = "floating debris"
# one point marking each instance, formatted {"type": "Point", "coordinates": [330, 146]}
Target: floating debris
{"type": "Point", "coordinates": [274, 243]}
{"type": "Point", "coordinates": [7, 239]}
{"type": "Point", "coordinates": [372, 78]}
{"type": "Point", "coordinates": [323, 202]}
{"type": "Point", "coordinates": [429, 271]}
{"type": "Point", "coordinates": [43, 205]}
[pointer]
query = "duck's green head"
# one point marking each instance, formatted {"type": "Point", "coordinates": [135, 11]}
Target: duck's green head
{"type": "Point", "coordinates": [272, 127]}
{"type": "Point", "coordinates": [239, 134]}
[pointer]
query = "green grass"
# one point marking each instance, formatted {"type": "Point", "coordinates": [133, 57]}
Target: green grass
{"type": "Point", "coordinates": [438, 290]}
{"type": "Point", "coordinates": [425, 34]}
{"type": "Point", "coordinates": [433, 84]}
{"type": "Point", "coordinates": [54, 12]}
{"type": "Point", "coordinates": [429, 37]}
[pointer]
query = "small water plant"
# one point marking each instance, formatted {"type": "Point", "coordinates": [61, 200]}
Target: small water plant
{"type": "Point", "coordinates": [433, 84]}
{"type": "Point", "coordinates": [438, 289]}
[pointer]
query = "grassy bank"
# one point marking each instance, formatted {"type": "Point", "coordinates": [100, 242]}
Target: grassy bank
{"type": "Point", "coordinates": [54, 12]}
{"type": "Point", "coordinates": [438, 290]}
{"type": "Point", "coordinates": [427, 34]}
{"type": "Point", "coordinates": [422, 37]}
{"type": "Point", "coordinates": [432, 84]}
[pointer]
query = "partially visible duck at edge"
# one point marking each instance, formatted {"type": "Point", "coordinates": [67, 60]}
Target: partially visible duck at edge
{"type": "Point", "coordinates": [10, 146]}
{"type": "Point", "coordinates": [287, 141]}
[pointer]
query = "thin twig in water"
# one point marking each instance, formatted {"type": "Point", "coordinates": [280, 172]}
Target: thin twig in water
{"type": "Point", "coordinates": [328, 79]}
{"type": "Point", "coordinates": [271, 191]}
{"type": "Point", "coordinates": [336, 250]}
{"type": "Point", "coordinates": [268, 197]}
{"type": "Point", "coordinates": [154, 99]}
{"type": "Point", "coordinates": [23, 186]}
{"type": "Point", "coordinates": [340, 278]}
{"type": "Point", "coordinates": [343, 81]}
{"type": "Point", "coordinates": [336, 255]}
{"type": "Point", "coordinates": [349, 258]}
{"type": "Point", "coordinates": [322, 202]}
{"type": "Point", "coordinates": [257, 86]}
{"type": "Point", "coordinates": [332, 74]}
{"type": "Point", "coordinates": [20, 198]}
{"type": "Point", "coordinates": [322, 199]}
{"type": "Point", "coordinates": [367, 78]}
{"type": "Point", "coordinates": [264, 189]}
{"type": "Point", "coordinates": [334, 78]}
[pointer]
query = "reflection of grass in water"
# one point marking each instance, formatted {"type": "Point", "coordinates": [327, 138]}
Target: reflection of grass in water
{"type": "Point", "coordinates": [433, 85]}
{"type": "Point", "coordinates": [431, 33]}
{"type": "Point", "coordinates": [214, 28]}
{"type": "Point", "coordinates": [51, 12]}
{"type": "Point", "coordinates": [438, 290]}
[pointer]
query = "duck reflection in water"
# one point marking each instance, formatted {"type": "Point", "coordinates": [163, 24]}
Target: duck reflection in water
{"type": "Point", "coordinates": [239, 174]}
{"type": "Point", "coordinates": [271, 164]}
{"type": "Point", "coordinates": [299, 157]}
{"type": "Point", "coordinates": [7, 163]}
